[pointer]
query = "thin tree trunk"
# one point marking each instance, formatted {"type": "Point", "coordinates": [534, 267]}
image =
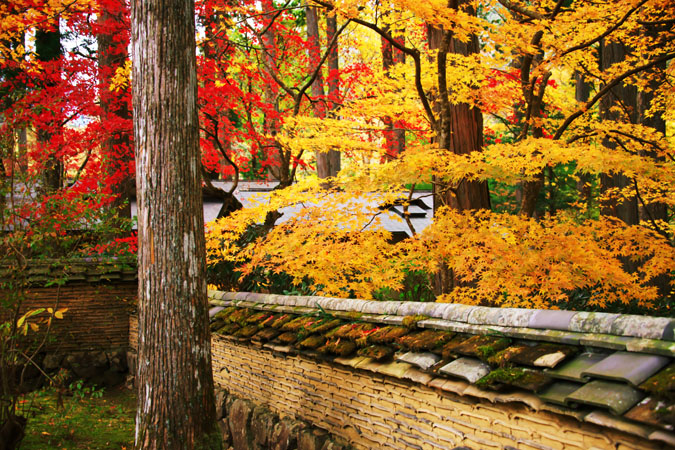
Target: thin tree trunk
{"type": "Point", "coordinates": [624, 98]}
{"type": "Point", "coordinates": [48, 48]}
{"type": "Point", "coordinates": [394, 137]}
{"type": "Point", "coordinates": [328, 163]}
{"type": "Point", "coordinates": [175, 383]}
{"type": "Point", "coordinates": [460, 130]}
{"type": "Point", "coordinates": [116, 147]}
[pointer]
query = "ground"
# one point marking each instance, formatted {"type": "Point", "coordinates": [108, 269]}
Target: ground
{"type": "Point", "coordinates": [104, 420]}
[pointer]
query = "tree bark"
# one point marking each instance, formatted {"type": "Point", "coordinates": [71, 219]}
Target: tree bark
{"type": "Point", "coordinates": [328, 163]}
{"type": "Point", "coordinates": [460, 125]}
{"type": "Point", "coordinates": [624, 97]}
{"type": "Point", "coordinates": [394, 137]}
{"type": "Point", "coordinates": [175, 383]}
{"type": "Point", "coordinates": [460, 130]}
{"type": "Point", "coordinates": [48, 48]}
{"type": "Point", "coordinates": [116, 147]}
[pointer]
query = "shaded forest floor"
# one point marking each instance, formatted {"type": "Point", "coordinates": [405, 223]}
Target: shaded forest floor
{"type": "Point", "coordinates": [98, 420]}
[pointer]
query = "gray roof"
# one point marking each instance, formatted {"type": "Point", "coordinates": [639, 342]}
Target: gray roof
{"type": "Point", "coordinates": [391, 219]}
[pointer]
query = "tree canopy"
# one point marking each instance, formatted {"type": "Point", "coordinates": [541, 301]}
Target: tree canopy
{"type": "Point", "coordinates": [544, 130]}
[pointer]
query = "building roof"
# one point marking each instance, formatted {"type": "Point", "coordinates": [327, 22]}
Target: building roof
{"type": "Point", "coordinates": [612, 370]}
{"type": "Point", "coordinates": [420, 209]}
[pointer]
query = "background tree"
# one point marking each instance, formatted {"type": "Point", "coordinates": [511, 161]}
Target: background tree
{"type": "Point", "coordinates": [175, 385]}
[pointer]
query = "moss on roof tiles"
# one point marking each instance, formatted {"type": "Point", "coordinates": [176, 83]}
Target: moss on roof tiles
{"type": "Point", "coordinates": [425, 340]}
{"type": "Point", "coordinates": [482, 347]}
{"type": "Point", "coordinates": [662, 384]}
{"type": "Point", "coordinates": [388, 334]}
{"type": "Point", "coordinates": [377, 352]}
{"type": "Point", "coordinates": [531, 380]}
{"type": "Point", "coordinates": [338, 346]}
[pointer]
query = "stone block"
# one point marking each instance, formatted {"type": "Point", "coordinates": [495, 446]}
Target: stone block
{"type": "Point", "coordinates": [240, 421]}
{"type": "Point", "coordinates": [311, 439]}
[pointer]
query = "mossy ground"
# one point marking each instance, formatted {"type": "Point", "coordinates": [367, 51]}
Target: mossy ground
{"type": "Point", "coordinates": [83, 423]}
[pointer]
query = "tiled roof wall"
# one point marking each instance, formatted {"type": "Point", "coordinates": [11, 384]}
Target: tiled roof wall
{"type": "Point", "coordinates": [613, 371]}
{"type": "Point", "coordinates": [98, 295]}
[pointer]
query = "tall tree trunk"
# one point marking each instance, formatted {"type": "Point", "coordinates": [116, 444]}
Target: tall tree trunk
{"type": "Point", "coordinates": [48, 48]}
{"type": "Point", "coordinates": [460, 130]}
{"type": "Point", "coordinates": [460, 125]}
{"type": "Point", "coordinates": [116, 147]}
{"type": "Point", "coordinates": [620, 104]}
{"type": "Point", "coordinates": [394, 137]}
{"type": "Point", "coordinates": [582, 91]}
{"type": "Point", "coordinates": [175, 383]}
{"type": "Point", "coordinates": [328, 163]}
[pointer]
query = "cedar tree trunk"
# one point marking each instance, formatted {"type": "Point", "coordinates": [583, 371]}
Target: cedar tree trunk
{"type": "Point", "coordinates": [175, 385]}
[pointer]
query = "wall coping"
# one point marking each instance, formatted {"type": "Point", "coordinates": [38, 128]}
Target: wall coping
{"type": "Point", "coordinates": [628, 376]}
{"type": "Point", "coordinates": [42, 272]}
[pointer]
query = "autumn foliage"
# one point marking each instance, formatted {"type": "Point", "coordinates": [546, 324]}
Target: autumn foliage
{"type": "Point", "coordinates": [544, 129]}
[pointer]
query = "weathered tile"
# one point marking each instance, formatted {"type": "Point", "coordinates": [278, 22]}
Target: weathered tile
{"type": "Point", "coordinates": [511, 317]}
{"type": "Point", "coordinates": [558, 391]}
{"type": "Point", "coordinates": [617, 397]}
{"type": "Point", "coordinates": [544, 355]}
{"type": "Point", "coordinates": [351, 362]}
{"type": "Point", "coordinates": [572, 370]}
{"type": "Point", "coordinates": [644, 327]}
{"type": "Point", "coordinates": [662, 436]}
{"type": "Point", "coordinates": [475, 391]}
{"type": "Point", "coordinates": [654, 412]}
{"type": "Point", "coordinates": [530, 380]}
{"type": "Point", "coordinates": [592, 322]}
{"type": "Point", "coordinates": [605, 341]}
{"type": "Point", "coordinates": [455, 386]}
{"type": "Point", "coordinates": [425, 340]}
{"type": "Point", "coordinates": [377, 352]}
{"type": "Point", "coordinates": [412, 309]}
{"type": "Point", "coordinates": [469, 369]}
{"type": "Point", "coordinates": [215, 310]}
{"type": "Point", "coordinates": [384, 308]}
{"type": "Point", "coordinates": [610, 421]}
{"type": "Point", "coordinates": [422, 360]}
{"type": "Point", "coordinates": [417, 376]}
{"type": "Point", "coordinates": [457, 312]}
{"type": "Point", "coordinates": [481, 347]}
{"type": "Point", "coordinates": [531, 400]}
{"type": "Point", "coordinates": [395, 369]}
{"type": "Point", "coordinates": [550, 319]}
{"type": "Point", "coordinates": [626, 366]}
{"type": "Point", "coordinates": [654, 346]}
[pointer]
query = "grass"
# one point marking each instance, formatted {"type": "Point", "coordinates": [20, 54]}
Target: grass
{"type": "Point", "coordinates": [104, 420]}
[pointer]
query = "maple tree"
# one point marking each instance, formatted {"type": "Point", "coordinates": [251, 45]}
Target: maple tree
{"type": "Point", "coordinates": [537, 241]}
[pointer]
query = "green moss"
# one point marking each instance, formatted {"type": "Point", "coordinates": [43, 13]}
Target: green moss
{"type": "Point", "coordinates": [502, 358]}
{"type": "Point", "coordinates": [225, 313]}
{"type": "Point", "coordinates": [486, 351]}
{"type": "Point", "coordinates": [266, 334]}
{"type": "Point", "coordinates": [247, 331]}
{"type": "Point", "coordinates": [411, 321]}
{"type": "Point", "coordinates": [282, 320]}
{"type": "Point", "coordinates": [258, 318]}
{"type": "Point", "coordinates": [662, 385]}
{"type": "Point", "coordinates": [325, 324]}
{"type": "Point", "coordinates": [531, 380]}
{"type": "Point", "coordinates": [312, 342]}
{"type": "Point", "coordinates": [239, 316]}
{"type": "Point", "coordinates": [287, 338]}
{"type": "Point", "coordinates": [337, 346]}
{"type": "Point", "coordinates": [388, 334]}
{"type": "Point", "coordinates": [299, 323]}
{"type": "Point", "coordinates": [377, 352]}
{"type": "Point", "coordinates": [425, 340]}
{"type": "Point", "coordinates": [229, 328]}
